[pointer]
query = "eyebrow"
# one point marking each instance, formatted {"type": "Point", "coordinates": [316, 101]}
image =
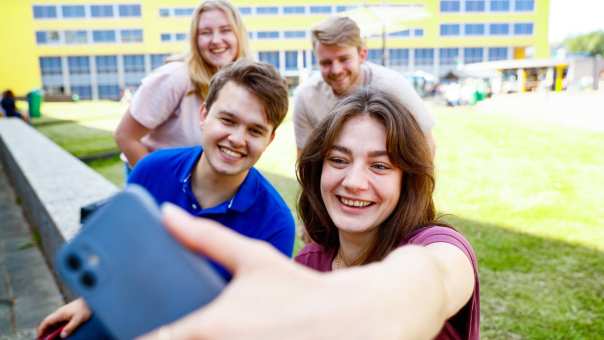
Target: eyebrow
{"type": "Point", "coordinates": [377, 153]}
{"type": "Point", "coordinates": [261, 127]}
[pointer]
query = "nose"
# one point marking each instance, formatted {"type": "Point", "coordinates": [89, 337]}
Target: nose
{"type": "Point", "coordinates": [216, 37]}
{"type": "Point", "coordinates": [355, 179]}
{"type": "Point", "coordinates": [237, 137]}
{"type": "Point", "coordinates": [336, 67]}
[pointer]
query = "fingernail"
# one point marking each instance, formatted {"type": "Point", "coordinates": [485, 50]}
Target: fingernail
{"type": "Point", "coordinates": [63, 335]}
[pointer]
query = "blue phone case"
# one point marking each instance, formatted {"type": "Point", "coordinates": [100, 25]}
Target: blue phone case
{"type": "Point", "coordinates": [132, 273]}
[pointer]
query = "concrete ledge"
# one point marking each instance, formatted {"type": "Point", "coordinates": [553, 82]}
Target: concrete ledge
{"type": "Point", "coordinates": [52, 185]}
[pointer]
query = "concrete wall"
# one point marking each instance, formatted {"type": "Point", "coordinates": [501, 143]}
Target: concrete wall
{"type": "Point", "coordinates": [52, 185]}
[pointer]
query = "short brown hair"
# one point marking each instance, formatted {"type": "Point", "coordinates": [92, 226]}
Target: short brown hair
{"type": "Point", "coordinates": [261, 79]}
{"type": "Point", "coordinates": [407, 149]}
{"type": "Point", "coordinates": [340, 31]}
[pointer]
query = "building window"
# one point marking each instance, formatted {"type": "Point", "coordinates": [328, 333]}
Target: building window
{"type": "Point", "coordinates": [450, 5]}
{"type": "Point", "coordinates": [109, 92]}
{"type": "Point", "coordinates": [424, 56]}
{"type": "Point", "coordinates": [294, 34]}
{"type": "Point", "coordinates": [158, 60]}
{"type": "Point", "coordinates": [129, 10]}
{"type": "Point", "coordinates": [50, 66]}
{"type": "Point", "coordinates": [164, 12]}
{"type": "Point", "coordinates": [418, 32]}
{"type": "Point", "coordinates": [498, 53]}
{"type": "Point", "coordinates": [180, 36]}
{"type": "Point", "coordinates": [48, 37]}
{"type": "Point", "coordinates": [165, 37]}
{"type": "Point", "coordinates": [294, 10]}
{"type": "Point", "coordinates": [291, 60]}
{"type": "Point", "coordinates": [78, 65]}
{"type": "Point", "coordinates": [106, 64]}
{"type": "Point", "coordinates": [524, 5]}
{"type": "Point", "coordinates": [134, 63]}
{"type": "Point", "coordinates": [128, 36]}
{"type": "Point", "coordinates": [267, 35]}
{"type": "Point", "coordinates": [474, 5]}
{"type": "Point", "coordinates": [473, 29]}
{"type": "Point", "coordinates": [267, 10]}
{"type": "Point", "coordinates": [245, 10]}
{"type": "Point", "coordinates": [45, 12]}
{"type": "Point", "coordinates": [398, 57]}
{"type": "Point", "coordinates": [473, 55]}
{"type": "Point", "coordinates": [523, 28]}
{"type": "Point", "coordinates": [447, 30]}
{"type": "Point", "coordinates": [271, 57]}
{"type": "Point", "coordinates": [73, 11]}
{"type": "Point", "coordinates": [320, 9]}
{"type": "Point", "coordinates": [183, 12]}
{"type": "Point", "coordinates": [82, 91]}
{"type": "Point", "coordinates": [499, 29]}
{"type": "Point", "coordinates": [101, 11]}
{"type": "Point", "coordinates": [448, 56]}
{"type": "Point", "coordinates": [102, 36]}
{"type": "Point", "coordinates": [400, 34]}
{"type": "Point", "coordinates": [76, 37]}
{"type": "Point", "coordinates": [500, 5]}
{"type": "Point", "coordinates": [342, 8]}
{"type": "Point", "coordinates": [375, 55]}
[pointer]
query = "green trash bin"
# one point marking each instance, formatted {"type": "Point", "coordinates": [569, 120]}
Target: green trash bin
{"type": "Point", "coordinates": [34, 103]}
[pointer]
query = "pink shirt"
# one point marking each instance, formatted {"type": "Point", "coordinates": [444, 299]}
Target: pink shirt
{"type": "Point", "coordinates": [463, 325]}
{"type": "Point", "coordinates": [163, 105]}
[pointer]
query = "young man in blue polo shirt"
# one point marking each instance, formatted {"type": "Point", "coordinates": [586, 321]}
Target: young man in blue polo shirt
{"type": "Point", "coordinates": [246, 102]}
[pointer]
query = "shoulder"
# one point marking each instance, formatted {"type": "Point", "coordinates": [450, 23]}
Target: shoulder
{"type": "Point", "coordinates": [314, 84]}
{"type": "Point", "coordinates": [269, 196]}
{"type": "Point", "coordinates": [174, 74]}
{"type": "Point", "coordinates": [381, 75]}
{"type": "Point", "coordinates": [155, 163]}
{"type": "Point", "coordinates": [436, 234]}
{"type": "Point", "coordinates": [314, 256]}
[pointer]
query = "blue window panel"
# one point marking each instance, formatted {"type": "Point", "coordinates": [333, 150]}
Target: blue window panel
{"type": "Point", "coordinates": [100, 36]}
{"type": "Point", "coordinates": [448, 30]}
{"type": "Point", "coordinates": [524, 5]}
{"type": "Point", "coordinates": [499, 29]}
{"type": "Point", "coordinates": [294, 10]}
{"type": "Point", "coordinates": [157, 60]}
{"type": "Point", "coordinates": [500, 5]}
{"type": "Point", "coordinates": [313, 61]}
{"type": "Point", "coordinates": [450, 5]}
{"type": "Point", "coordinates": [267, 35]}
{"type": "Point", "coordinates": [47, 37]}
{"type": "Point", "coordinates": [400, 34]}
{"type": "Point", "coordinates": [448, 56]}
{"type": "Point", "coordinates": [291, 60]}
{"type": "Point", "coordinates": [50, 66]}
{"type": "Point", "coordinates": [424, 56]}
{"type": "Point", "coordinates": [418, 32]}
{"type": "Point", "coordinates": [101, 11]}
{"type": "Point", "coordinates": [474, 29]}
{"type": "Point", "coordinates": [304, 61]}
{"type": "Point", "coordinates": [41, 38]}
{"type": "Point", "coordinates": [271, 57]}
{"type": "Point", "coordinates": [78, 65]}
{"type": "Point", "coordinates": [245, 10]}
{"type": "Point", "coordinates": [134, 63]}
{"type": "Point", "coordinates": [164, 12]}
{"type": "Point", "coordinates": [180, 36]}
{"type": "Point", "coordinates": [183, 12]}
{"type": "Point", "coordinates": [106, 64]}
{"type": "Point", "coordinates": [45, 12]}
{"type": "Point", "coordinates": [475, 5]}
{"type": "Point", "coordinates": [128, 36]}
{"type": "Point", "coordinates": [294, 34]}
{"type": "Point", "coordinates": [342, 8]}
{"type": "Point", "coordinates": [129, 10]}
{"type": "Point", "coordinates": [320, 9]}
{"type": "Point", "coordinates": [109, 92]}
{"type": "Point", "coordinates": [76, 37]}
{"type": "Point", "coordinates": [398, 57]}
{"type": "Point", "coordinates": [73, 11]}
{"type": "Point", "coordinates": [498, 53]}
{"type": "Point", "coordinates": [83, 91]}
{"type": "Point", "coordinates": [523, 28]}
{"type": "Point", "coordinates": [166, 37]}
{"type": "Point", "coordinates": [473, 55]}
{"type": "Point", "coordinates": [267, 10]}
{"type": "Point", "coordinates": [375, 55]}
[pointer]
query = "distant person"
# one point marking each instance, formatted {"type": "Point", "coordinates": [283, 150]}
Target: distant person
{"type": "Point", "coordinates": [164, 111]}
{"type": "Point", "coordinates": [9, 106]}
{"type": "Point", "coordinates": [343, 66]}
{"type": "Point", "coordinates": [246, 102]}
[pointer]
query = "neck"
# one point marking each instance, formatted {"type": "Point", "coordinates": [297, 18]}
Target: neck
{"type": "Point", "coordinates": [211, 188]}
{"type": "Point", "coordinates": [353, 246]}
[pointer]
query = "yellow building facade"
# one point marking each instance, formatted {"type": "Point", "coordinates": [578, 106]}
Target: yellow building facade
{"type": "Point", "coordinates": [98, 48]}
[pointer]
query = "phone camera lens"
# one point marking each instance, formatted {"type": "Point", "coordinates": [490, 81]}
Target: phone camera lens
{"type": "Point", "coordinates": [88, 279]}
{"type": "Point", "coordinates": [73, 262]}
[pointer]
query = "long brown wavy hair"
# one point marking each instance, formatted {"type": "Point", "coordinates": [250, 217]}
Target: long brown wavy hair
{"type": "Point", "coordinates": [407, 149]}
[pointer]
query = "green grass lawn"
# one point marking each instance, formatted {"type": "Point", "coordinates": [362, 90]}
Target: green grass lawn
{"type": "Point", "coordinates": [528, 196]}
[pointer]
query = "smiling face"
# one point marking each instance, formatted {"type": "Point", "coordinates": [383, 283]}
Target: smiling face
{"type": "Point", "coordinates": [341, 66]}
{"type": "Point", "coordinates": [360, 186]}
{"type": "Point", "coordinates": [235, 132]}
{"type": "Point", "coordinates": [216, 39]}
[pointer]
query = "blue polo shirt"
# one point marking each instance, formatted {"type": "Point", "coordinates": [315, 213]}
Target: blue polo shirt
{"type": "Point", "coordinates": [256, 210]}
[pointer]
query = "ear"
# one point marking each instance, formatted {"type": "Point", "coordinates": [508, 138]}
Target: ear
{"type": "Point", "coordinates": [363, 54]}
{"type": "Point", "coordinates": [272, 136]}
{"type": "Point", "coordinates": [203, 113]}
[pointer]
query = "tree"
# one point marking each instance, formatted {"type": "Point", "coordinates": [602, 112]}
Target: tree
{"type": "Point", "coordinates": [590, 43]}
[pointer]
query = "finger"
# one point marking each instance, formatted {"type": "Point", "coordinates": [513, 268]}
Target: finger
{"type": "Point", "coordinates": [71, 326]}
{"type": "Point", "coordinates": [50, 320]}
{"type": "Point", "coordinates": [208, 237]}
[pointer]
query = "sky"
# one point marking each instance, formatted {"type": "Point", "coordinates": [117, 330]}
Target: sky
{"type": "Point", "coordinates": [573, 17]}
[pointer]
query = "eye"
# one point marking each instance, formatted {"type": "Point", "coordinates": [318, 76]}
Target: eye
{"type": "Point", "coordinates": [205, 32]}
{"type": "Point", "coordinates": [380, 166]}
{"type": "Point", "coordinates": [337, 161]}
{"type": "Point", "coordinates": [256, 132]}
{"type": "Point", "coordinates": [226, 30]}
{"type": "Point", "coordinates": [227, 121]}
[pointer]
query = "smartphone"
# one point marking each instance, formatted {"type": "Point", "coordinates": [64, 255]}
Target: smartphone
{"type": "Point", "coordinates": [131, 272]}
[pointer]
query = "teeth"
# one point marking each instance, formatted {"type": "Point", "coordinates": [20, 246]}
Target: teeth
{"type": "Point", "coordinates": [231, 153]}
{"type": "Point", "coordinates": [218, 50]}
{"type": "Point", "coordinates": [355, 203]}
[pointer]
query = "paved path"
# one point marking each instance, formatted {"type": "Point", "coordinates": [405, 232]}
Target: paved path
{"type": "Point", "coordinates": [27, 289]}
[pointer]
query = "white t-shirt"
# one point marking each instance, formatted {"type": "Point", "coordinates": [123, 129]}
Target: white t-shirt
{"type": "Point", "coordinates": [165, 105]}
{"type": "Point", "coordinates": [314, 99]}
